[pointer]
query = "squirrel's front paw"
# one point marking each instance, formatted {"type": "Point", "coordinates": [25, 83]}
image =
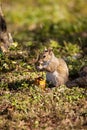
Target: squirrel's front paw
{"type": "Point", "coordinates": [40, 67]}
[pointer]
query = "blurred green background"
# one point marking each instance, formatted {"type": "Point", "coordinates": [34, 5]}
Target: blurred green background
{"type": "Point", "coordinates": [30, 13]}
{"type": "Point", "coordinates": [38, 11]}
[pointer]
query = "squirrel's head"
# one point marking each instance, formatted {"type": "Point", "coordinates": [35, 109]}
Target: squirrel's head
{"type": "Point", "coordinates": [46, 55]}
{"type": "Point", "coordinates": [44, 58]}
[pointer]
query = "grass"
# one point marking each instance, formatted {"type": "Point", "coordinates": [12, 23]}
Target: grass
{"type": "Point", "coordinates": [49, 109]}
{"type": "Point", "coordinates": [34, 24]}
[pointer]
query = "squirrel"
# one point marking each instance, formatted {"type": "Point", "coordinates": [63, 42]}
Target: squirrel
{"type": "Point", "coordinates": [56, 68]}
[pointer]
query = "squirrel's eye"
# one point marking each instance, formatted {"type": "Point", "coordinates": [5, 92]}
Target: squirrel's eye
{"type": "Point", "coordinates": [44, 56]}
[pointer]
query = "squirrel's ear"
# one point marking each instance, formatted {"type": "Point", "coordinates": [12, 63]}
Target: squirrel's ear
{"type": "Point", "coordinates": [50, 50]}
{"type": "Point", "coordinates": [45, 49]}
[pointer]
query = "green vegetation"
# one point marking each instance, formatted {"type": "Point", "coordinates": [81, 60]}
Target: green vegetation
{"type": "Point", "coordinates": [61, 25]}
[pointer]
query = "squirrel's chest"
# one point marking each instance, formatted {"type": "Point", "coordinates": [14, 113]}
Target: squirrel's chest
{"type": "Point", "coordinates": [52, 77]}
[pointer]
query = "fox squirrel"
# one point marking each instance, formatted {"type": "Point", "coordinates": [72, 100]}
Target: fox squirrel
{"type": "Point", "coordinates": [56, 68]}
